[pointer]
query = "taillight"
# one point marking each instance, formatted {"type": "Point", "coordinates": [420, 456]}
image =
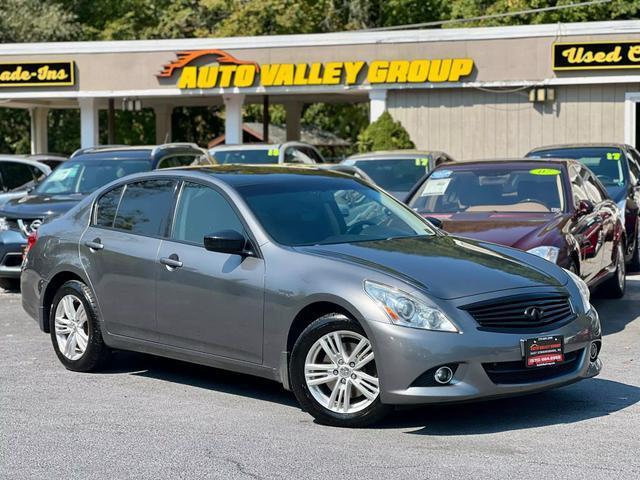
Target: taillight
{"type": "Point", "coordinates": [31, 241]}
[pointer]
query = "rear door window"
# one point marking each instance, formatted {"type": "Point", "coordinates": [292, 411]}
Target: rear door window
{"type": "Point", "coordinates": [107, 206]}
{"type": "Point", "coordinates": [145, 206]}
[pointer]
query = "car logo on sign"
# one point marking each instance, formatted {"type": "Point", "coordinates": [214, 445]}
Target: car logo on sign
{"type": "Point", "coordinates": [533, 313]}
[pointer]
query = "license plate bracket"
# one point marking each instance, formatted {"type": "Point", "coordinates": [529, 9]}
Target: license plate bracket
{"type": "Point", "coordinates": [543, 351]}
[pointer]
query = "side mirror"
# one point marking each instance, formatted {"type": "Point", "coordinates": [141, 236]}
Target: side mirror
{"type": "Point", "coordinates": [436, 222]}
{"type": "Point", "coordinates": [226, 241]}
{"type": "Point", "coordinates": [585, 207]}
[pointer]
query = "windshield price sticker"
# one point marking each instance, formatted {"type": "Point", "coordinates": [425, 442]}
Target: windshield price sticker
{"type": "Point", "coordinates": [274, 152]}
{"type": "Point", "coordinates": [613, 155]}
{"type": "Point", "coordinates": [544, 171]}
{"type": "Point", "coordinates": [435, 187]}
{"type": "Point", "coordinates": [441, 174]}
{"type": "Point", "coordinates": [422, 162]}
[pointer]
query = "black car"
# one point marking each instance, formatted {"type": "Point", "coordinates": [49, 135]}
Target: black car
{"type": "Point", "coordinates": [86, 170]}
{"type": "Point", "coordinates": [617, 166]}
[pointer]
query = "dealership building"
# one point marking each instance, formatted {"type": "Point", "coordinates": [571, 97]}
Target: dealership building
{"type": "Point", "coordinates": [471, 92]}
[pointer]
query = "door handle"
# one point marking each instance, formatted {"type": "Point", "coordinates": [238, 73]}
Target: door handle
{"type": "Point", "coordinates": [94, 245]}
{"type": "Point", "coordinates": [171, 262]}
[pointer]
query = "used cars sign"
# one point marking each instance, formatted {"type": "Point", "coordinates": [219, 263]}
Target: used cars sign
{"type": "Point", "coordinates": [36, 74]}
{"type": "Point", "coordinates": [596, 55]}
{"type": "Point", "coordinates": [228, 71]}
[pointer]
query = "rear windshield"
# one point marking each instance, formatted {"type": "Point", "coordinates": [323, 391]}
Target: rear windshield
{"type": "Point", "coordinates": [85, 176]}
{"type": "Point", "coordinates": [394, 175]}
{"type": "Point", "coordinates": [605, 162]}
{"type": "Point", "coordinates": [251, 156]}
{"type": "Point", "coordinates": [491, 190]}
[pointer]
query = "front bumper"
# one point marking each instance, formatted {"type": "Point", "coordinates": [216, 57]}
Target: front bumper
{"type": "Point", "coordinates": [12, 244]}
{"type": "Point", "coordinates": [404, 354]}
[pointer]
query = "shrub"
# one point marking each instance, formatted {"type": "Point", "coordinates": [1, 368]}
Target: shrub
{"type": "Point", "coordinates": [384, 134]}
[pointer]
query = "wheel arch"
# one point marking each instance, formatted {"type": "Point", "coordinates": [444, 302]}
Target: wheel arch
{"type": "Point", "coordinates": [57, 280]}
{"type": "Point", "coordinates": [307, 314]}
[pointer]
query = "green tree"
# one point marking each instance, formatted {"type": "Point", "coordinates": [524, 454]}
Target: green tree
{"type": "Point", "coordinates": [384, 134]}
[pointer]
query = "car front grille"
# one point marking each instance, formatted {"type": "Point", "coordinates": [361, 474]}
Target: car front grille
{"type": "Point", "coordinates": [522, 312]}
{"type": "Point", "coordinates": [510, 373]}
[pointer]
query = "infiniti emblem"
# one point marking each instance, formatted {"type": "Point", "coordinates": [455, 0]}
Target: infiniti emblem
{"type": "Point", "coordinates": [533, 313]}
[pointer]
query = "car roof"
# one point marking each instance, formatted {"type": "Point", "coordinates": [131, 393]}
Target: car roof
{"type": "Point", "coordinates": [579, 145]}
{"type": "Point", "coordinates": [508, 162]}
{"type": "Point", "coordinates": [120, 152]}
{"type": "Point", "coordinates": [391, 154]}
{"type": "Point", "coordinates": [241, 174]}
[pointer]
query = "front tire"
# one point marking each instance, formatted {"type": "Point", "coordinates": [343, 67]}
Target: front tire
{"type": "Point", "coordinates": [616, 285]}
{"type": "Point", "coordinates": [333, 373]}
{"type": "Point", "coordinates": [75, 328]}
{"type": "Point", "coordinates": [634, 263]}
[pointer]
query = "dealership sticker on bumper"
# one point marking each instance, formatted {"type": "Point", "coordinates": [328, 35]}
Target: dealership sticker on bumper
{"type": "Point", "coordinates": [544, 351]}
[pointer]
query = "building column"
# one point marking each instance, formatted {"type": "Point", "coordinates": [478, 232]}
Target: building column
{"type": "Point", "coordinates": [377, 104]}
{"type": "Point", "coordinates": [163, 123]}
{"type": "Point", "coordinates": [233, 118]}
{"type": "Point", "coordinates": [294, 111]}
{"type": "Point", "coordinates": [88, 122]}
{"type": "Point", "coordinates": [39, 130]}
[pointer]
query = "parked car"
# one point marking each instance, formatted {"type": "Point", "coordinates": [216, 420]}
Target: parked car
{"type": "Point", "coordinates": [84, 172]}
{"type": "Point", "coordinates": [396, 171]}
{"type": "Point", "coordinates": [51, 160]}
{"type": "Point", "coordinates": [19, 175]}
{"type": "Point", "coordinates": [617, 166]}
{"type": "Point", "coordinates": [556, 209]}
{"type": "Point", "coordinates": [310, 278]}
{"type": "Point", "coordinates": [265, 154]}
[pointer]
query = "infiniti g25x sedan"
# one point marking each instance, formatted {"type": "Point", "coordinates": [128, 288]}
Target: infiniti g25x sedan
{"type": "Point", "coordinates": [310, 278]}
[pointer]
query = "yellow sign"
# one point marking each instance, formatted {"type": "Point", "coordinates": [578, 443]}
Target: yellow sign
{"type": "Point", "coordinates": [613, 155]}
{"type": "Point", "coordinates": [231, 72]}
{"type": "Point", "coordinates": [596, 55]}
{"type": "Point", "coordinates": [544, 171]}
{"type": "Point", "coordinates": [36, 74]}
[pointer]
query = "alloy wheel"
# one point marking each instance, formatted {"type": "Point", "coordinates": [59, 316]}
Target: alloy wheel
{"type": "Point", "coordinates": [621, 268]}
{"type": "Point", "coordinates": [71, 327]}
{"type": "Point", "coordinates": [340, 372]}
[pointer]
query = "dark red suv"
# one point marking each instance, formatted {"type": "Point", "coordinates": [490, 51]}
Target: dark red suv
{"type": "Point", "coordinates": [556, 209]}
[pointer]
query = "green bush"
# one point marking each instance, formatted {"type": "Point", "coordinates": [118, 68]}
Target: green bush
{"type": "Point", "coordinates": [384, 134]}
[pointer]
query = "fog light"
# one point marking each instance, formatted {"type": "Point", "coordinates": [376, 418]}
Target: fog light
{"type": "Point", "coordinates": [443, 375]}
{"type": "Point", "coordinates": [593, 352]}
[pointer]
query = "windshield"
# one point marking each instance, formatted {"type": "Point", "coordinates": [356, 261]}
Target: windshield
{"type": "Point", "coordinates": [605, 162]}
{"type": "Point", "coordinates": [84, 176]}
{"type": "Point", "coordinates": [395, 175]}
{"type": "Point", "coordinates": [251, 156]}
{"type": "Point", "coordinates": [323, 210]}
{"type": "Point", "coordinates": [496, 189]}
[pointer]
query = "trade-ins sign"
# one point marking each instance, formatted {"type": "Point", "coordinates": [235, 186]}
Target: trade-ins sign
{"type": "Point", "coordinates": [596, 55]}
{"type": "Point", "coordinates": [36, 74]}
{"type": "Point", "coordinates": [229, 71]}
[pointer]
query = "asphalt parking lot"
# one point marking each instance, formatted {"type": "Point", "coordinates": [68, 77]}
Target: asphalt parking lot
{"type": "Point", "coordinates": [147, 417]}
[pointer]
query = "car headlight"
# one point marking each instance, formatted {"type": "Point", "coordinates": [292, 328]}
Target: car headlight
{"type": "Point", "coordinates": [4, 225]}
{"type": "Point", "coordinates": [406, 310]}
{"type": "Point", "coordinates": [582, 287]}
{"type": "Point", "coordinates": [546, 252]}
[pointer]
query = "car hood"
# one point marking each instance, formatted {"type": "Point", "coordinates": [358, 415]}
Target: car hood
{"type": "Point", "coordinates": [446, 266]}
{"type": "Point", "coordinates": [39, 206]}
{"type": "Point", "coordinates": [516, 230]}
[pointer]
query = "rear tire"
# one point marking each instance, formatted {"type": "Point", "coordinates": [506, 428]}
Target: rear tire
{"type": "Point", "coordinates": [634, 263]}
{"type": "Point", "coordinates": [616, 285]}
{"type": "Point", "coordinates": [75, 328]}
{"type": "Point", "coordinates": [341, 389]}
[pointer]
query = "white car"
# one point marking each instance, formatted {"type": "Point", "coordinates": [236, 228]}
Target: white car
{"type": "Point", "coordinates": [19, 175]}
{"type": "Point", "coordinates": [267, 153]}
